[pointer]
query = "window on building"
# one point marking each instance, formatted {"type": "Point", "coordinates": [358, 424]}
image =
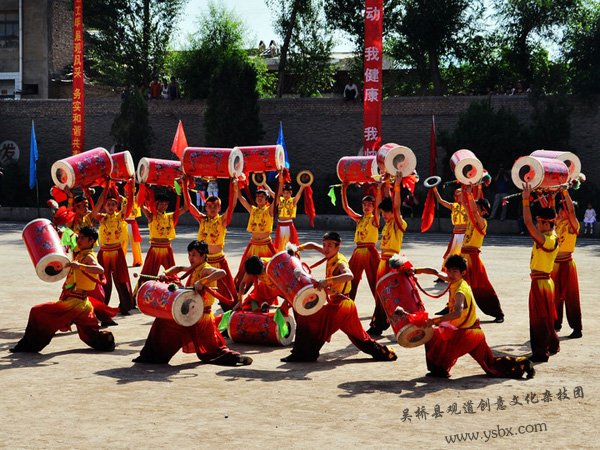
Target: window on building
{"type": "Point", "coordinates": [9, 29]}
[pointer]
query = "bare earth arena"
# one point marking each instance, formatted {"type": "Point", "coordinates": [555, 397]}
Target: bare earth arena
{"type": "Point", "coordinates": [70, 396]}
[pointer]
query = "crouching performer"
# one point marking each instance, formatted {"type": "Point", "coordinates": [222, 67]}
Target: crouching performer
{"type": "Point", "coordinates": [73, 307]}
{"type": "Point", "coordinates": [166, 337]}
{"type": "Point", "coordinates": [338, 314]}
{"type": "Point", "coordinates": [461, 334]}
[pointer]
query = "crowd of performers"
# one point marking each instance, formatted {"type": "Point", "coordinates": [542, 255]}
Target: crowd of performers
{"type": "Point", "coordinates": [549, 218]}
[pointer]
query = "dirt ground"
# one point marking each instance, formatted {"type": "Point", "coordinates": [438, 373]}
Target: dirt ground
{"type": "Point", "coordinates": [70, 396]}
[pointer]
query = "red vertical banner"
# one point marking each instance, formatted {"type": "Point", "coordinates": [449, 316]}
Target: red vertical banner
{"type": "Point", "coordinates": [373, 60]}
{"type": "Point", "coordinates": [77, 121]}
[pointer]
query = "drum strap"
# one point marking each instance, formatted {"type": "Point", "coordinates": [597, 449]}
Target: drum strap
{"type": "Point", "coordinates": [431, 295]}
{"type": "Point", "coordinates": [318, 263]}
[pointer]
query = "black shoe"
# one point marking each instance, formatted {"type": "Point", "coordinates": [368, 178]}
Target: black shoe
{"type": "Point", "coordinates": [529, 369]}
{"type": "Point", "coordinates": [442, 312]}
{"type": "Point", "coordinates": [439, 280]}
{"type": "Point", "coordinates": [576, 334]}
{"type": "Point", "coordinates": [438, 374]}
{"type": "Point", "coordinates": [293, 358]}
{"type": "Point", "coordinates": [374, 332]}
{"type": "Point", "coordinates": [108, 323]}
{"type": "Point", "coordinates": [540, 359]}
{"type": "Point", "coordinates": [499, 319]}
{"type": "Point", "coordinates": [264, 307]}
{"type": "Point", "coordinates": [244, 360]}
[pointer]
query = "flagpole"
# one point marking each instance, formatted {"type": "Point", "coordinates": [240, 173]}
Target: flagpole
{"type": "Point", "coordinates": [37, 192]}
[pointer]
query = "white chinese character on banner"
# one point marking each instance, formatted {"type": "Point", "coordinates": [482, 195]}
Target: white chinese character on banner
{"type": "Point", "coordinates": [371, 95]}
{"type": "Point", "coordinates": [372, 75]}
{"type": "Point", "coordinates": [371, 54]}
{"type": "Point", "coordinates": [373, 13]}
{"type": "Point", "coordinates": [371, 134]}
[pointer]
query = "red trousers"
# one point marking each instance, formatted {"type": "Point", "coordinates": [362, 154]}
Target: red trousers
{"type": "Point", "coordinates": [447, 345]}
{"type": "Point", "coordinates": [284, 233]}
{"type": "Point", "coordinates": [542, 315]}
{"type": "Point", "coordinates": [483, 291]}
{"type": "Point", "coordinates": [166, 338]}
{"type": "Point", "coordinates": [225, 285]}
{"type": "Point", "coordinates": [47, 318]}
{"type": "Point", "coordinates": [338, 314]}
{"type": "Point", "coordinates": [364, 258]}
{"type": "Point", "coordinates": [112, 259]}
{"type": "Point", "coordinates": [566, 292]}
{"type": "Point", "coordinates": [379, 319]}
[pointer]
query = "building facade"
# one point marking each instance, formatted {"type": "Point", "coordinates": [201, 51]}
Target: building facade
{"type": "Point", "coordinates": [35, 46]}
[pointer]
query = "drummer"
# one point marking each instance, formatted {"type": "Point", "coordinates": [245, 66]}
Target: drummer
{"type": "Point", "coordinates": [392, 236]}
{"type": "Point", "coordinates": [161, 225]}
{"type": "Point", "coordinates": [166, 337]}
{"type": "Point", "coordinates": [213, 229]}
{"type": "Point", "coordinates": [286, 213]}
{"type": "Point", "coordinates": [73, 307]}
{"type": "Point", "coordinates": [365, 256]}
{"type": "Point", "coordinates": [339, 313]}
{"type": "Point", "coordinates": [485, 295]}
{"type": "Point", "coordinates": [459, 333]}
{"type": "Point", "coordinates": [264, 295]}
{"type": "Point", "coordinates": [260, 226]}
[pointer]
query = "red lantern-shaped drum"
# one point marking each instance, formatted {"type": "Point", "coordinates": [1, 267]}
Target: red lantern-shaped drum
{"type": "Point", "coordinates": [167, 301]}
{"type": "Point", "coordinates": [466, 167]}
{"type": "Point", "coordinates": [259, 328]}
{"type": "Point", "coordinates": [159, 172]}
{"type": "Point", "coordinates": [46, 252]}
{"type": "Point", "coordinates": [357, 169]}
{"type": "Point", "coordinates": [83, 169]}
{"type": "Point", "coordinates": [571, 160]}
{"type": "Point", "coordinates": [212, 162]}
{"type": "Point", "coordinates": [263, 158]}
{"type": "Point", "coordinates": [123, 167]}
{"type": "Point", "coordinates": [539, 173]}
{"type": "Point", "coordinates": [295, 283]}
{"type": "Point", "coordinates": [393, 158]}
{"type": "Point", "coordinates": [397, 289]}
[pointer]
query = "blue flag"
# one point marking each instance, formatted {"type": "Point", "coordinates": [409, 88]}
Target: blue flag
{"type": "Point", "coordinates": [281, 141]}
{"type": "Point", "coordinates": [33, 157]}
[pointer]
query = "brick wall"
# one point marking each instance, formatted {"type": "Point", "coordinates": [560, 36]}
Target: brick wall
{"type": "Point", "coordinates": [317, 131]}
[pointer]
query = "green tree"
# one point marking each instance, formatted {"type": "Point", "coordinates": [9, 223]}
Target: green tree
{"type": "Point", "coordinates": [430, 31]}
{"type": "Point", "coordinates": [220, 36]}
{"type": "Point", "coordinates": [131, 128]}
{"type": "Point", "coordinates": [127, 40]}
{"type": "Point", "coordinates": [526, 23]}
{"type": "Point", "coordinates": [232, 113]}
{"type": "Point", "coordinates": [310, 54]}
{"type": "Point", "coordinates": [582, 51]}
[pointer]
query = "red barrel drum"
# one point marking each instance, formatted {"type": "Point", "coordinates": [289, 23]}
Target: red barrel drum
{"type": "Point", "coordinates": [357, 169]}
{"type": "Point", "coordinates": [467, 168]}
{"type": "Point", "coordinates": [262, 158]}
{"type": "Point", "coordinates": [397, 289]}
{"type": "Point", "coordinates": [167, 301]}
{"type": "Point", "coordinates": [393, 158]}
{"type": "Point", "coordinates": [259, 328]}
{"type": "Point", "coordinates": [212, 162]}
{"type": "Point", "coordinates": [45, 250]}
{"type": "Point", "coordinates": [539, 173]}
{"type": "Point", "coordinates": [123, 167]}
{"type": "Point", "coordinates": [571, 160]}
{"type": "Point", "coordinates": [83, 169]}
{"type": "Point", "coordinates": [295, 283]}
{"type": "Point", "coordinates": [159, 172]}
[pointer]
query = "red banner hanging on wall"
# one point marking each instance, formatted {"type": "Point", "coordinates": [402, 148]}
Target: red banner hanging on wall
{"type": "Point", "coordinates": [77, 121]}
{"type": "Point", "coordinates": [373, 60]}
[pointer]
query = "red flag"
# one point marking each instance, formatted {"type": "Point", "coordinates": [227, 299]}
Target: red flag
{"type": "Point", "coordinates": [432, 150]}
{"type": "Point", "coordinates": [180, 142]}
{"type": "Point", "coordinates": [373, 63]}
{"type": "Point", "coordinates": [428, 212]}
{"type": "Point", "coordinates": [309, 205]}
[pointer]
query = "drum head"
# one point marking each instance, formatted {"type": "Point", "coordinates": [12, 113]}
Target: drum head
{"type": "Point", "coordinates": [62, 174]}
{"type": "Point", "coordinates": [308, 301]}
{"type": "Point", "coordinates": [412, 336]}
{"type": "Point", "coordinates": [279, 157]}
{"type": "Point", "coordinates": [143, 170]}
{"type": "Point", "coordinates": [52, 267]}
{"type": "Point", "coordinates": [289, 337]}
{"type": "Point", "coordinates": [236, 163]}
{"type": "Point", "coordinates": [187, 308]}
